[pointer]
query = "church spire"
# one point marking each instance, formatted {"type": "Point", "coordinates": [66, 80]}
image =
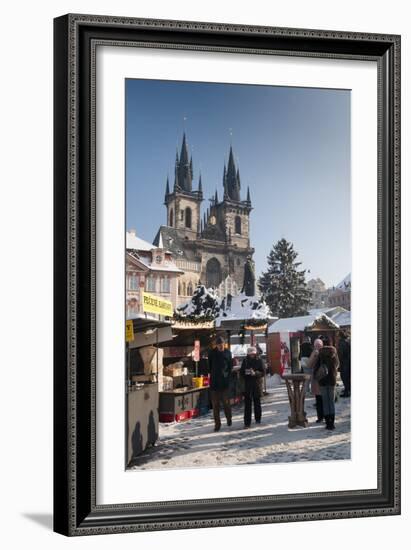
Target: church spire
{"type": "Point", "coordinates": [248, 195]}
{"type": "Point", "coordinates": [184, 168]}
{"type": "Point", "coordinates": [200, 185]}
{"type": "Point", "coordinates": [232, 179]}
{"type": "Point", "coordinates": [216, 197]}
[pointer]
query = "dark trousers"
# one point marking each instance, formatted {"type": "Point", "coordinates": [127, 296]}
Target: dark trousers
{"type": "Point", "coordinates": [345, 371]}
{"type": "Point", "coordinates": [319, 406]}
{"type": "Point", "coordinates": [252, 396]}
{"type": "Point", "coordinates": [328, 398]}
{"type": "Point", "coordinates": [217, 397]}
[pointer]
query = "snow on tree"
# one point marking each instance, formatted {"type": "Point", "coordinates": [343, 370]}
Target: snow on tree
{"type": "Point", "coordinates": [203, 306]}
{"type": "Point", "coordinates": [283, 285]}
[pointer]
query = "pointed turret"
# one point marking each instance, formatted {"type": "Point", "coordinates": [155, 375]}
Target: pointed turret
{"type": "Point", "coordinates": [225, 183]}
{"type": "Point", "coordinates": [184, 168]}
{"type": "Point", "coordinates": [231, 179]}
{"type": "Point", "coordinates": [191, 167]}
{"type": "Point", "coordinates": [167, 187]}
{"type": "Point", "coordinates": [248, 195]}
{"type": "Point", "coordinates": [200, 186]}
{"type": "Point", "coordinates": [216, 197]}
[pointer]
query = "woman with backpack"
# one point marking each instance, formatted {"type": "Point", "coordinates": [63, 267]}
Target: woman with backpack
{"type": "Point", "coordinates": [315, 387]}
{"type": "Point", "coordinates": [325, 373]}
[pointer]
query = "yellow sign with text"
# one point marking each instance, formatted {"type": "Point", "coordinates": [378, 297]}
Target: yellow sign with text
{"type": "Point", "coordinates": [155, 304]}
{"type": "Point", "coordinates": [129, 331]}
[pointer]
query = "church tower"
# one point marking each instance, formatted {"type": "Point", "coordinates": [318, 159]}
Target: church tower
{"type": "Point", "coordinates": [233, 214]}
{"type": "Point", "coordinates": [183, 204]}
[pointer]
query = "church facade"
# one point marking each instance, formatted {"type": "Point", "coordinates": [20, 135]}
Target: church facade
{"type": "Point", "coordinates": [212, 246]}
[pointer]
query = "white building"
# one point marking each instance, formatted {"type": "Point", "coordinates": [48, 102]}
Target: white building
{"type": "Point", "coordinates": [151, 269]}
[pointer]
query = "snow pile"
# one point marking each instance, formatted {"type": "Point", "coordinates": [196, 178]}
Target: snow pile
{"type": "Point", "coordinates": [242, 307]}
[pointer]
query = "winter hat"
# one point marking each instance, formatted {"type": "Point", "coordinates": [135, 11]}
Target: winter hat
{"type": "Point", "coordinates": [251, 350]}
{"type": "Point", "coordinates": [318, 344]}
{"type": "Point", "coordinates": [219, 340]}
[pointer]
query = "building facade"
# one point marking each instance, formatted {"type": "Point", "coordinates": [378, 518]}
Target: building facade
{"type": "Point", "coordinates": [150, 269]}
{"type": "Point", "coordinates": [341, 294]}
{"type": "Point", "coordinates": [319, 293]}
{"type": "Point", "coordinates": [210, 247]}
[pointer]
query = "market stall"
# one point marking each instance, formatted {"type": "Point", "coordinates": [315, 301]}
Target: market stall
{"type": "Point", "coordinates": [184, 394]}
{"type": "Point", "coordinates": [144, 373]}
{"type": "Point", "coordinates": [286, 335]}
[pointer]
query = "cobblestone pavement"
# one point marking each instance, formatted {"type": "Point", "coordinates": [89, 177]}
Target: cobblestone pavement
{"type": "Point", "coordinates": [194, 443]}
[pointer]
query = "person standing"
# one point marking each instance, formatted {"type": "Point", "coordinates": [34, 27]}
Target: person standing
{"type": "Point", "coordinates": [220, 364]}
{"type": "Point", "coordinates": [305, 354]}
{"type": "Point", "coordinates": [325, 372]}
{"type": "Point", "coordinates": [252, 370]}
{"type": "Point", "coordinates": [315, 388]}
{"type": "Point", "coordinates": [344, 356]}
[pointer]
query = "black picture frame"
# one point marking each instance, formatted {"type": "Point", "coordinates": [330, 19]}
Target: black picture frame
{"type": "Point", "coordinates": [75, 509]}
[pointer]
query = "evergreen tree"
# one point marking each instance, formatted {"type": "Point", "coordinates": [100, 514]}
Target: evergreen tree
{"type": "Point", "coordinates": [283, 285]}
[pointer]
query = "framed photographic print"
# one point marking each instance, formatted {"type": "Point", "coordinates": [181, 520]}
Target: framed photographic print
{"type": "Point", "coordinates": [227, 275]}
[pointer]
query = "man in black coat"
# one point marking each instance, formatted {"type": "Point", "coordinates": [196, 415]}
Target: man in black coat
{"type": "Point", "coordinates": [220, 364]}
{"type": "Point", "coordinates": [252, 370]}
{"type": "Point", "coordinates": [344, 355]}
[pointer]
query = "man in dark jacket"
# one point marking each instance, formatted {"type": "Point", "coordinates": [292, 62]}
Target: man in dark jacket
{"type": "Point", "coordinates": [220, 364]}
{"type": "Point", "coordinates": [252, 370]}
{"type": "Point", "coordinates": [344, 355]}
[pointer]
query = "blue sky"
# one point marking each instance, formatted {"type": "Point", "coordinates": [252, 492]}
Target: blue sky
{"type": "Point", "coordinates": [292, 146]}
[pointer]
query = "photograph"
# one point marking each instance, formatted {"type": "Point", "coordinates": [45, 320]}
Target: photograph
{"type": "Point", "coordinates": [238, 260]}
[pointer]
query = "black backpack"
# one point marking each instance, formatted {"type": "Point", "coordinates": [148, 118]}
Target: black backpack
{"type": "Point", "coordinates": [321, 372]}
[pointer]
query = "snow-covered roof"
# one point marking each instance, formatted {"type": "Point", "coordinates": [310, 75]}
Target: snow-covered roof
{"type": "Point", "coordinates": [206, 303]}
{"type": "Point", "coordinates": [135, 243]}
{"type": "Point", "coordinates": [345, 284]}
{"type": "Point", "coordinates": [242, 307]}
{"type": "Point", "coordinates": [299, 324]}
{"type": "Point", "coordinates": [343, 318]}
{"type": "Point", "coordinates": [203, 303]}
{"type": "Point", "coordinates": [331, 312]}
{"type": "Point", "coordinates": [166, 266]}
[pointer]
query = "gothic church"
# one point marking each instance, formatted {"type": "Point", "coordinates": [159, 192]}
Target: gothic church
{"type": "Point", "coordinates": [211, 248]}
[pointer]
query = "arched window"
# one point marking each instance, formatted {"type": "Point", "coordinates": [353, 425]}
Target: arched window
{"type": "Point", "coordinates": [238, 225]}
{"type": "Point", "coordinates": [213, 273]}
{"type": "Point", "coordinates": [190, 289]}
{"type": "Point", "coordinates": [179, 288]}
{"type": "Point", "coordinates": [188, 217]}
{"type": "Point", "coordinates": [184, 289]}
{"type": "Point", "coordinates": [171, 218]}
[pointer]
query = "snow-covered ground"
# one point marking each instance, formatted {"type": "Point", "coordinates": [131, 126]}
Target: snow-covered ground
{"type": "Point", "coordinates": [194, 443]}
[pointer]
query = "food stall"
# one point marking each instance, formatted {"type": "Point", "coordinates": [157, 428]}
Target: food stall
{"type": "Point", "coordinates": [184, 394]}
{"type": "Point", "coordinates": [144, 373]}
{"type": "Point", "coordinates": [286, 335]}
